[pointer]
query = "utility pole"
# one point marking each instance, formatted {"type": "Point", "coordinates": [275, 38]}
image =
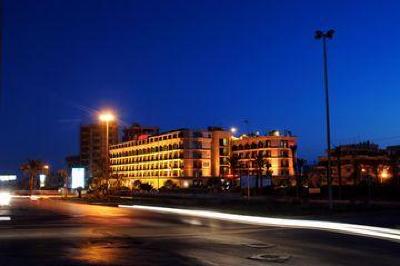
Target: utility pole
{"type": "Point", "coordinates": [324, 36]}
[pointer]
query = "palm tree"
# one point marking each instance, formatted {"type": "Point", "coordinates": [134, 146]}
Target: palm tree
{"type": "Point", "coordinates": [63, 175]}
{"type": "Point", "coordinates": [63, 178]}
{"type": "Point", "coordinates": [299, 174]}
{"type": "Point", "coordinates": [32, 168]}
{"type": "Point", "coordinates": [269, 171]}
{"type": "Point", "coordinates": [259, 161]}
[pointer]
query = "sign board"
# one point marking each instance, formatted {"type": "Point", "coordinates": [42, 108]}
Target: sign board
{"type": "Point", "coordinates": [42, 179]}
{"type": "Point", "coordinates": [78, 177]}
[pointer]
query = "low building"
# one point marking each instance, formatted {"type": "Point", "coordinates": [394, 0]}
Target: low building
{"type": "Point", "coordinates": [356, 163]}
{"type": "Point", "coordinates": [277, 148]}
{"type": "Point", "coordinates": [183, 156]}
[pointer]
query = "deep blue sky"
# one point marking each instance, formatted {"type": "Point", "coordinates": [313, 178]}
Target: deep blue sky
{"type": "Point", "coordinates": [193, 64]}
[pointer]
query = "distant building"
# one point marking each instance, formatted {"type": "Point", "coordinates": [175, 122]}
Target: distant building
{"type": "Point", "coordinates": [73, 161]}
{"type": "Point", "coordinates": [393, 151]}
{"type": "Point", "coordinates": [277, 148]}
{"type": "Point", "coordinates": [136, 132]}
{"type": "Point", "coordinates": [93, 146]}
{"type": "Point", "coordinates": [183, 156]}
{"type": "Point", "coordinates": [356, 163]}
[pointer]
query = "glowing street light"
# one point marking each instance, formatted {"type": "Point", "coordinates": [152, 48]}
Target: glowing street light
{"type": "Point", "coordinates": [107, 117]}
{"type": "Point", "coordinates": [233, 130]}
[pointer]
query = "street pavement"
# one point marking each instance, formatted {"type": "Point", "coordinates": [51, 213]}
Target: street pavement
{"type": "Point", "coordinates": [56, 232]}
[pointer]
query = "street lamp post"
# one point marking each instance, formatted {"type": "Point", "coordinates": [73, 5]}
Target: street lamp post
{"type": "Point", "coordinates": [324, 36]}
{"type": "Point", "coordinates": [107, 117]}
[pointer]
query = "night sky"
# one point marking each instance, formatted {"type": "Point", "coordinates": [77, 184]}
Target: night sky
{"type": "Point", "coordinates": [193, 64]}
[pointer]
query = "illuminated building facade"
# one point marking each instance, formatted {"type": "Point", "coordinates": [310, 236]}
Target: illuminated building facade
{"type": "Point", "coordinates": [356, 163]}
{"type": "Point", "coordinates": [277, 148]}
{"type": "Point", "coordinates": [182, 156]}
{"type": "Point", "coordinates": [93, 146]}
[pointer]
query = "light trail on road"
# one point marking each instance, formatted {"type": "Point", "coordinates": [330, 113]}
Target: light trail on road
{"type": "Point", "coordinates": [353, 229]}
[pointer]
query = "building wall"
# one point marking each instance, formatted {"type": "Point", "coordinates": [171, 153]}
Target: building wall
{"type": "Point", "coordinates": [278, 150]}
{"type": "Point", "coordinates": [93, 151]}
{"type": "Point", "coordinates": [220, 152]}
{"type": "Point", "coordinates": [184, 156]}
{"type": "Point", "coordinates": [354, 169]}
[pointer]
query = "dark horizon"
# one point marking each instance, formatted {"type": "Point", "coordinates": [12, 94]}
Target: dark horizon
{"type": "Point", "coordinates": [196, 64]}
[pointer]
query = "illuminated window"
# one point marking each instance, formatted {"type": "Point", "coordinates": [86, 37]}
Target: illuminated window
{"type": "Point", "coordinates": [223, 142]}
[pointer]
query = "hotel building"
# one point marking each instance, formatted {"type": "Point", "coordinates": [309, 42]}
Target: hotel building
{"type": "Point", "coordinates": [278, 148]}
{"type": "Point", "coordinates": [183, 156]}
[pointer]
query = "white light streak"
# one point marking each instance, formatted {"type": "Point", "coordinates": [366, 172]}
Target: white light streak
{"type": "Point", "coordinates": [8, 177]}
{"type": "Point", "coordinates": [353, 229]}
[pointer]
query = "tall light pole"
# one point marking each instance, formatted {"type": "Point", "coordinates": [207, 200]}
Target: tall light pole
{"type": "Point", "coordinates": [107, 117]}
{"type": "Point", "coordinates": [324, 36]}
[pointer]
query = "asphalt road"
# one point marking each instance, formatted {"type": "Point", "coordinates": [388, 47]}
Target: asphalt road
{"type": "Point", "coordinates": [54, 232]}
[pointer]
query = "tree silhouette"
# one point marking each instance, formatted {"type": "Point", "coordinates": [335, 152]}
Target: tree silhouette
{"type": "Point", "coordinates": [32, 168]}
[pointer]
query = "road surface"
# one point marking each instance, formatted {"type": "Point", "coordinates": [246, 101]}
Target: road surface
{"type": "Point", "coordinates": [55, 232]}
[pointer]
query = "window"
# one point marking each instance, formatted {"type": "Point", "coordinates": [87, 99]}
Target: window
{"type": "Point", "coordinates": [284, 144]}
{"type": "Point", "coordinates": [284, 153]}
{"type": "Point", "coordinates": [223, 151]}
{"type": "Point", "coordinates": [284, 172]}
{"type": "Point", "coordinates": [223, 160]}
{"type": "Point", "coordinates": [197, 164]}
{"type": "Point", "coordinates": [266, 153]}
{"type": "Point", "coordinates": [197, 155]}
{"type": "Point", "coordinates": [197, 134]}
{"type": "Point", "coordinates": [196, 145]}
{"type": "Point", "coordinates": [223, 142]}
{"type": "Point", "coordinates": [224, 170]}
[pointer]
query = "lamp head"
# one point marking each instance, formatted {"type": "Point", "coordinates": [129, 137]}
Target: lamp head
{"type": "Point", "coordinates": [106, 117]}
{"type": "Point", "coordinates": [318, 35]}
{"type": "Point", "coordinates": [329, 33]}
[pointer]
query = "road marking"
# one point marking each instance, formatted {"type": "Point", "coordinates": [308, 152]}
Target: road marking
{"type": "Point", "coordinates": [258, 245]}
{"type": "Point", "coordinates": [271, 257]}
{"type": "Point", "coordinates": [354, 229]}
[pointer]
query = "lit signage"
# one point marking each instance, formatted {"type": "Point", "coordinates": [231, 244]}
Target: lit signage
{"type": "Point", "coordinates": [78, 177]}
{"type": "Point", "coordinates": [42, 179]}
{"type": "Point", "coordinates": [8, 177]}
